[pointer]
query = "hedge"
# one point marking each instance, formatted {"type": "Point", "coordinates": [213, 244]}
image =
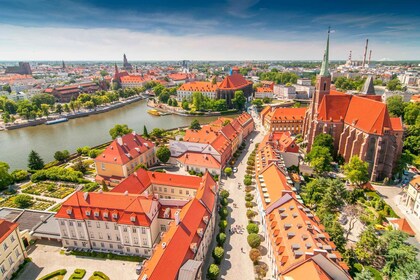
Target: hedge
{"type": "Point", "coordinates": [98, 275]}
{"type": "Point", "coordinates": [107, 256]}
{"type": "Point", "coordinates": [58, 174]}
{"type": "Point", "coordinates": [78, 274]}
{"type": "Point", "coordinates": [54, 274]}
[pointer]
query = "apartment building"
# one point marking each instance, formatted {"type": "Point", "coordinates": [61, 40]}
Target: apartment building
{"type": "Point", "coordinates": [122, 156]}
{"type": "Point", "coordinates": [12, 251]}
{"type": "Point", "coordinates": [283, 119]}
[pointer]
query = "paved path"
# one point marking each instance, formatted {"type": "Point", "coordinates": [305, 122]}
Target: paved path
{"type": "Point", "coordinates": [237, 264]}
{"type": "Point", "coordinates": [46, 258]}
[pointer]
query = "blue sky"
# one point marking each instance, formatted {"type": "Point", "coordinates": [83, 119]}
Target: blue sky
{"type": "Point", "coordinates": [216, 30]}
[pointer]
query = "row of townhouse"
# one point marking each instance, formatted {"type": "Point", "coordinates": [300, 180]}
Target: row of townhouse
{"type": "Point", "coordinates": [150, 214]}
{"type": "Point", "coordinates": [298, 246]}
{"type": "Point", "coordinates": [12, 251]}
{"type": "Point", "coordinates": [283, 119]}
{"type": "Point", "coordinates": [209, 149]}
{"type": "Point", "coordinates": [122, 156]}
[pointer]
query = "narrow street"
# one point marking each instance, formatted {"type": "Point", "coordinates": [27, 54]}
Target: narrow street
{"type": "Point", "coordinates": [237, 264]}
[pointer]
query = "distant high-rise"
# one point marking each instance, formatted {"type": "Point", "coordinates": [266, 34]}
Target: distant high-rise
{"type": "Point", "coordinates": [126, 65]}
{"type": "Point", "coordinates": [24, 69]}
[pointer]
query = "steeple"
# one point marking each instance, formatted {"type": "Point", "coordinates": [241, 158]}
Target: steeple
{"type": "Point", "coordinates": [116, 69]}
{"type": "Point", "coordinates": [324, 67]}
{"type": "Point", "coordinates": [125, 60]}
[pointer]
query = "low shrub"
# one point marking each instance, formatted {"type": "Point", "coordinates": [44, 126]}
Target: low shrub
{"type": "Point", "coordinates": [58, 174]}
{"type": "Point", "coordinates": [53, 274]}
{"type": "Point", "coordinates": [249, 204]}
{"type": "Point", "coordinates": [213, 272]}
{"type": "Point", "coordinates": [255, 255]}
{"type": "Point", "coordinates": [221, 238]}
{"type": "Point", "coordinates": [224, 202]}
{"type": "Point", "coordinates": [254, 240]}
{"type": "Point", "coordinates": [223, 225]}
{"type": "Point", "coordinates": [250, 214]}
{"type": "Point", "coordinates": [247, 181]}
{"type": "Point", "coordinates": [223, 212]}
{"type": "Point", "coordinates": [248, 198]}
{"type": "Point", "coordinates": [218, 253]}
{"type": "Point", "coordinates": [252, 228]}
{"type": "Point", "coordinates": [99, 275]}
{"type": "Point", "coordinates": [78, 274]}
{"type": "Point", "coordinates": [377, 275]}
{"type": "Point", "coordinates": [224, 193]}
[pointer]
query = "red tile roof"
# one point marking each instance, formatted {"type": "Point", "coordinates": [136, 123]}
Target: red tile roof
{"type": "Point", "coordinates": [125, 149]}
{"type": "Point", "coordinates": [178, 76]}
{"type": "Point", "coordinates": [244, 119]}
{"type": "Point", "coordinates": [198, 159]}
{"type": "Point", "coordinates": [287, 114]}
{"type": "Point", "coordinates": [125, 205]}
{"type": "Point", "coordinates": [264, 89]}
{"type": "Point", "coordinates": [6, 228]}
{"type": "Point", "coordinates": [396, 124]}
{"type": "Point", "coordinates": [234, 82]}
{"type": "Point", "coordinates": [132, 79]}
{"type": "Point", "coordinates": [199, 86]}
{"type": "Point", "coordinates": [204, 135]}
{"type": "Point", "coordinates": [404, 226]}
{"type": "Point", "coordinates": [333, 107]}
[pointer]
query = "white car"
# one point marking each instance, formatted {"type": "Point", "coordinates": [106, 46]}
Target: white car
{"type": "Point", "coordinates": [235, 170]}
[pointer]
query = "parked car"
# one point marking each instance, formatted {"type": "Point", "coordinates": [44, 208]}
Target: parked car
{"type": "Point", "coordinates": [235, 170]}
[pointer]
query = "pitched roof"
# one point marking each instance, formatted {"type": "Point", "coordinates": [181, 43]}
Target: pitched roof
{"type": "Point", "coordinates": [132, 79]}
{"type": "Point", "coordinates": [283, 141]}
{"type": "Point", "coordinates": [333, 107]}
{"type": "Point", "coordinates": [178, 76]}
{"type": "Point", "coordinates": [198, 159]}
{"type": "Point", "coordinates": [204, 135]}
{"type": "Point", "coordinates": [82, 206]}
{"type": "Point", "coordinates": [396, 124]}
{"type": "Point", "coordinates": [6, 228]}
{"type": "Point", "coordinates": [221, 143]}
{"type": "Point", "coordinates": [233, 82]}
{"type": "Point", "coordinates": [403, 225]}
{"type": "Point", "coordinates": [244, 119]}
{"type": "Point", "coordinates": [199, 86]}
{"type": "Point", "coordinates": [287, 114]}
{"type": "Point", "coordinates": [125, 148]}
{"type": "Point", "coordinates": [264, 89]}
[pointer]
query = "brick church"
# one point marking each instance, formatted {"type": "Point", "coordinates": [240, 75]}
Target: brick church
{"type": "Point", "coordinates": [359, 124]}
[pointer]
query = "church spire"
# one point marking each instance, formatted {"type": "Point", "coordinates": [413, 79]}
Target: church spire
{"type": "Point", "coordinates": [324, 67]}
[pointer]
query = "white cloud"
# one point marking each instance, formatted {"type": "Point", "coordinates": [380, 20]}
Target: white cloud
{"type": "Point", "coordinates": [48, 43]}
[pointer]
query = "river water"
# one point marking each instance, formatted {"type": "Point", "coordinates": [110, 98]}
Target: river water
{"type": "Point", "coordinates": [15, 145]}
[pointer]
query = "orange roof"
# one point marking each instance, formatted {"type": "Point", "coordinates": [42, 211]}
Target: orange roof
{"type": "Point", "coordinates": [403, 225]}
{"type": "Point", "coordinates": [6, 228]}
{"type": "Point", "coordinates": [132, 79]}
{"type": "Point", "coordinates": [221, 144]}
{"type": "Point", "coordinates": [125, 148]}
{"type": "Point", "coordinates": [264, 89]}
{"type": "Point", "coordinates": [81, 203]}
{"type": "Point", "coordinates": [244, 119]}
{"type": "Point", "coordinates": [205, 160]}
{"type": "Point", "coordinates": [198, 86]}
{"type": "Point", "coordinates": [283, 141]}
{"type": "Point", "coordinates": [415, 98]}
{"type": "Point", "coordinates": [333, 107]}
{"type": "Point", "coordinates": [288, 114]}
{"type": "Point", "coordinates": [396, 124]}
{"type": "Point", "coordinates": [204, 135]}
{"type": "Point", "coordinates": [234, 82]}
{"type": "Point", "coordinates": [178, 76]}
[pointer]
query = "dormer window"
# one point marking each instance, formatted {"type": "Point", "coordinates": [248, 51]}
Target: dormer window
{"type": "Point", "coordinates": [133, 218]}
{"type": "Point", "coordinates": [115, 215]}
{"type": "Point", "coordinates": [96, 213]}
{"type": "Point", "coordinates": [87, 212]}
{"type": "Point", "coordinates": [69, 211]}
{"type": "Point", "coordinates": [105, 214]}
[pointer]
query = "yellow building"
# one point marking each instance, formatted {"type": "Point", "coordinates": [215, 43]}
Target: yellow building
{"type": "Point", "coordinates": [12, 251]}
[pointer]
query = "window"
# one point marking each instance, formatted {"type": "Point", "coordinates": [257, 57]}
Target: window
{"type": "Point", "coordinates": [62, 222]}
{"type": "Point", "coordinates": [67, 242]}
{"type": "Point", "coordinates": [100, 235]}
{"type": "Point", "coordinates": [137, 250]}
{"type": "Point", "coordinates": [118, 238]}
{"type": "Point", "coordinates": [3, 270]}
{"type": "Point", "coordinates": [160, 189]}
{"type": "Point", "coordinates": [17, 253]}
{"type": "Point", "coordinates": [111, 246]}
{"type": "Point", "coordinates": [10, 261]}
{"type": "Point", "coordinates": [94, 244]}
{"type": "Point", "coordinates": [187, 192]}
{"type": "Point", "coordinates": [134, 230]}
{"type": "Point", "coordinates": [75, 243]}
{"type": "Point", "coordinates": [165, 189]}
{"type": "Point", "coordinates": [98, 224]}
{"type": "Point", "coordinates": [102, 166]}
{"type": "Point", "coordinates": [79, 224]}
{"type": "Point", "coordinates": [106, 226]}
{"type": "Point", "coordinates": [102, 245]}
{"type": "Point", "coordinates": [70, 223]}
{"type": "Point", "coordinates": [81, 235]}
{"type": "Point", "coordinates": [128, 249]}
{"type": "Point", "coordinates": [108, 236]}
{"type": "Point", "coordinates": [143, 230]}
{"type": "Point", "coordinates": [92, 235]}
{"type": "Point", "coordinates": [125, 229]}
{"type": "Point", "coordinates": [144, 241]}
{"type": "Point", "coordinates": [135, 240]}
{"type": "Point", "coordinates": [12, 238]}
{"type": "Point", "coordinates": [162, 228]}
{"type": "Point", "coordinates": [172, 190]}
{"type": "Point", "coordinates": [180, 191]}
{"type": "Point", "coordinates": [89, 224]}
{"type": "Point", "coordinates": [115, 227]}
{"type": "Point", "coordinates": [126, 239]}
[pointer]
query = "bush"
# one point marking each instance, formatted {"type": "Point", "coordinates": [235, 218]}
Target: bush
{"type": "Point", "coordinates": [83, 150]}
{"type": "Point", "coordinates": [221, 238]}
{"type": "Point", "coordinates": [254, 240]}
{"type": "Point", "coordinates": [23, 200]}
{"type": "Point", "coordinates": [94, 153]}
{"type": "Point", "coordinates": [248, 189]}
{"type": "Point", "coordinates": [163, 154]}
{"type": "Point", "coordinates": [223, 212]}
{"type": "Point", "coordinates": [224, 193]}
{"type": "Point", "coordinates": [254, 255]}
{"type": "Point", "coordinates": [58, 174]}
{"type": "Point", "coordinates": [252, 228]}
{"type": "Point", "coordinates": [222, 225]}
{"type": "Point", "coordinates": [247, 181]}
{"type": "Point", "coordinates": [261, 270]}
{"type": "Point", "coordinates": [224, 202]}
{"type": "Point", "coordinates": [218, 253]}
{"type": "Point", "coordinates": [248, 198]}
{"type": "Point", "coordinates": [250, 214]}
{"type": "Point", "coordinates": [249, 204]}
{"type": "Point", "coordinates": [78, 274]}
{"type": "Point", "coordinates": [54, 274]}
{"type": "Point", "coordinates": [228, 171]}
{"type": "Point", "coordinates": [19, 175]}
{"type": "Point", "coordinates": [377, 275]}
{"type": "Point", "coordinates": [100, 275]}
{"type": "Point", "coordinates": [213, 272]}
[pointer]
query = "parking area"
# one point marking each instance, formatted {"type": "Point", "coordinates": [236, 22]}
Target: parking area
{"type": "Point", "coordinates": [46, 258]}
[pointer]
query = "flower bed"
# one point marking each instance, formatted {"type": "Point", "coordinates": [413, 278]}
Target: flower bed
{"type": "Point", "coordinates": [49, 189]}
{"type": "Point", "coordinates": [37, 204]}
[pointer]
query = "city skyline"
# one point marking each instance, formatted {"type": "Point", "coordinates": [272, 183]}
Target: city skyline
{"type": "Point", "coordinates": [218, 30]}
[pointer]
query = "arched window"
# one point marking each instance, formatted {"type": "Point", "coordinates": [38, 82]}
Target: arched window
{"type": "Point", "coordinates": [325, 86]}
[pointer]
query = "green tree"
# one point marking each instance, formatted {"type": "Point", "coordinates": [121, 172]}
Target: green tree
{"type": "Point", "coordinates": [258, 103]}
{"type": "Point", "coordinates": [145, 133]}
{"type": "Point", "coordinates": [66, 108]}
{"type": "Point", "coordinates": [7, 88]}
{"type": "Point", "coordinates": [174, 103]}
{"type": "Point", "coordinates": [80, 166]}
{"type": "Point", "coordinates": [119, 130]}
{"type": "Point", "coordinates": [26, 109]}
{"type": "Point", "coordinates": [163, 154]}
{"type": "Point", "coordinates": [195, 125]}
{"type": "Point", "coordinates": [35, 162]}
{"type": "Point", "coordinates": [104, 186]}
{"type": "Point", "coordinates": [324, 140]}
{"type": "Point", "coordinates": [5, 178]}
{"type": "Point", "coordinates": [164, 97]}
{"type": "Point", "coordinates": [395, 105]}
{"type": "Point", "coordinates": [394, 84]}
{"type": "Point", "coordinates": [368, 246]}
{"type": "Point", "coordinates": [239, 100]}
{"type": "Point", "coordinates": [185, 105]}
{"type": "Point", "coordinates": [197, 100]}
{"type": "Point", "coordinates": [23, 201]}
{"type": "Point", "coordinates": [59, 108]}
{"type": "Point", "coordinates": [61, 155]}
{"type": "Point", "coordinates": [314, 190]}
{"type": "Point", "coordinates": [19, 175]}
{"type": "Point", "coordinates": [45, 109]}
{"type": "Point", "coordinates": [356, 171]}
{"type": "Point", "coordinates": [333, 196]}
{"type": "Point", "coordinates": [218, 253]}
{"type": "Point", "coordinates": [252, 228]}
{"type": "Point", "coordinates": [320, 159]}
{"type": "Point", "coordinates": [221, 238]}
{"type": "Point", "coordinates": [170, 102]}
{"type": "Point", "coordinates": [364, 275]}
{"type": "Point", "coordinates": [247, 181]}
{"type": "Point", "coordinates": [407, 271]}
{"type": "Point", "coordinates": [255, 255]}
{"type": "Point", "coordinates": [412, 113]}
{"type": "Point", "coordinates": [254, 240]}
{"type": "Point", "coordinates": [213, 272]}
{"type": "Point", "coordinates": [228, 171]}
{"type": "Point", "coordinates": [43, 98]}
{"type": "Point", "coordinates": [158, 133]}
{"type": "Point", "coordinates": [224, 193]}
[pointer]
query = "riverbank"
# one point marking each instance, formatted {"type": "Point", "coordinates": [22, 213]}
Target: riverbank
{"type": "Point", "coordinates": [181, 112]}
{"type": "Point", "coordinates": [97, 110]}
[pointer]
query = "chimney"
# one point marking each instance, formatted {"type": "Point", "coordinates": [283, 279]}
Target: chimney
{"type": "Point", "coordinates": [119, 141]}
{"type": "Point", "coordinates": [126, 193]}
{"type": "Point", "coordinates": [365, 53]}
{"type": "Point", "coordinates": [370, 56]}
{"type": "Point", "coordinates": [43, 218]}
{"type": "Point", "coordinates": [177, 221]}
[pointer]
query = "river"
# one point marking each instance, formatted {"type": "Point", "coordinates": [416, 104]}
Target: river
{"type": "Point", "coordinates": [93, 130]}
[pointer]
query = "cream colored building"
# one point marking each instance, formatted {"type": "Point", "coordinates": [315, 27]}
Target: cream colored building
{"type": "Point", "coordinates": [413, 196]}
{"type": "Point", "coordinates": [12, 251]}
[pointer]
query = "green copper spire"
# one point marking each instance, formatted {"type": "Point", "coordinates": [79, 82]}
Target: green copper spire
{"type": "Point", "coordinates": [324, 68]}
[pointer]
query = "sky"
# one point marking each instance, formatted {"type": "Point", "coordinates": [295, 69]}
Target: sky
{"type": "Point", "coordinates": [207, 30]}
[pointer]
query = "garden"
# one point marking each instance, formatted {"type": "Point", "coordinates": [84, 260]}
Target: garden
{"type": "Point", "coordinates": [77, 274]}
{"type": "Point", "coordinates": [49, 189]}
{"type": "Point", "coordinates": [26, 201]}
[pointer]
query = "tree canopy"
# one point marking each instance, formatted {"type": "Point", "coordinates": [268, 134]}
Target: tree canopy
{"type": "Point", "coordinates": [356, 171]}
{"type": "Point", "coordinates": [35, 162]}
{"type": "Point", "coordinates": [239, 100]}
{"type": "Point", "coordinates": [195, 125]}
{"type": "Point", "coordinates": [395, 105]}
{"type": "Point", "coordinates": [119, 130]}
{"type": "Point", "coordinates": [320, 159]}
{"type": "Point", "coordinates": [163, 154]}
{"type": "Point", "coordinates": [5, 178]}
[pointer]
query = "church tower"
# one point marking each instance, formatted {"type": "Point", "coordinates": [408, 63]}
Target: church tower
{"type": "Point", "coordinates": [323, 80]}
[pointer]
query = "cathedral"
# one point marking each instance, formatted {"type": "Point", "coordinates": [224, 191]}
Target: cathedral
{"type": "Point", "coordinates": [359, 124]}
